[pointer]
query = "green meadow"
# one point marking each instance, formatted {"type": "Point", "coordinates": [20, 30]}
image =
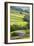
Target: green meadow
{"type": "Point", "coordinates": [19, 23]}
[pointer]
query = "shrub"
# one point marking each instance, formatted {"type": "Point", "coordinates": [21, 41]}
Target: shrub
{"type": "Point", "coordinates": [14, 34]}
{"type": "Point", "coordinates": [12, 28]}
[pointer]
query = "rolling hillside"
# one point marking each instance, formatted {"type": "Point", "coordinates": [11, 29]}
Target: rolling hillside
{"type": "Point", "coordinates": [19, 22]}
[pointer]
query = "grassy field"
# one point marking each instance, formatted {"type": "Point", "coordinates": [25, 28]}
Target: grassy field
{"type": "Point", "coordinates": [19, 24]}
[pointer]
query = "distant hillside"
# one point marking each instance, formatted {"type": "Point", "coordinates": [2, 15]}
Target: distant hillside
{"type": "Point", "coordinates": [19, 9]}
{"type": "Point", "coordinates": [16, 8]}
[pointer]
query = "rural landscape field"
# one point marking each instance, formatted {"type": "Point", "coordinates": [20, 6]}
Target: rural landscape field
{"type": "Point", "coordinates": [19, 22]}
